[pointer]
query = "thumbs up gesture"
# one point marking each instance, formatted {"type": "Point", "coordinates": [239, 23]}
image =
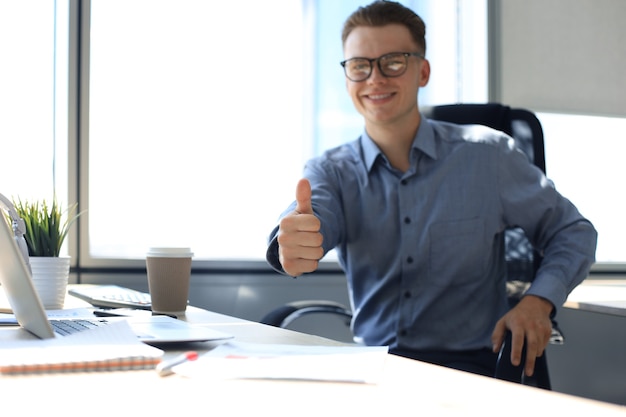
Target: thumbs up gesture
{"type": "Point", "coordinates": [299, 237]}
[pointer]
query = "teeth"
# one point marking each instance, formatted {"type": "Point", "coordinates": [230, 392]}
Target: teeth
{"type": "Point", "coordinates": [379, 96]}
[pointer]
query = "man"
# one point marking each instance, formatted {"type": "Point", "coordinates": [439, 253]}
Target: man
{"type": "Point", "coordinates": [417, 211]}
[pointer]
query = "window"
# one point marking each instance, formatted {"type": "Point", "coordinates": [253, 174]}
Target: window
{"type": "Point", "coordinates": [584, 159]}
{"type": "Point", "coordinates": [200, 122]}
{"type": "Point", "coordinates": [34, 99]}
{"type": "Point", "coordinates": [195, 125]}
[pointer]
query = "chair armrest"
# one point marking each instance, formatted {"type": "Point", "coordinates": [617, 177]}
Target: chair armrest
{"type": "Point", "coordinates": [505, 370]}
{"type": "Point", "coordinates": [282, 316]}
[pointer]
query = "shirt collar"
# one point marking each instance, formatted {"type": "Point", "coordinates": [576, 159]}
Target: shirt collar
{"type": "Point", "coordinates": [424, 142]}
{"type": "Point", "coordinates": [370, 150]}
{"type": "Point", "coordinates": [425, 139]}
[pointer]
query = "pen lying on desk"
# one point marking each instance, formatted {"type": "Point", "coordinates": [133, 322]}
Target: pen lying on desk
{"type": "Point", "coordinates": [165, 367]}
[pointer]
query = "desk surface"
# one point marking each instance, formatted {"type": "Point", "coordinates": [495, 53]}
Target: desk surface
{"type": "Point", "coordinates": [406, 386]}
{"type": "Point", "coordinates": [599, 296]}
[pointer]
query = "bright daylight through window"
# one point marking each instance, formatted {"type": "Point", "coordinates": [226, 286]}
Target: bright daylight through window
{"type": "Point", "coordinates": [34, 100]}
{"type": "Point", "coordinates": [196, 125]}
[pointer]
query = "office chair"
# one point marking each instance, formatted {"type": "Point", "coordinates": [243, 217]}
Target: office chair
{"type": "Point", "coordinates": [522, 261]}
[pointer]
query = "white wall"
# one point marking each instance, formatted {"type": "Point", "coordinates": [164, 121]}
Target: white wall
{"type": "Point", "coordinates": [564, 56]}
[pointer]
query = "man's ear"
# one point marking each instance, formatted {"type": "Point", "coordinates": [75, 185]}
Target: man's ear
{"type": "Point", "coordinates": [424, 72]}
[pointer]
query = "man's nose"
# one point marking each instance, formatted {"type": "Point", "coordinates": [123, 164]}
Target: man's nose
{"type": "Point", "coordinates": [376, 75]}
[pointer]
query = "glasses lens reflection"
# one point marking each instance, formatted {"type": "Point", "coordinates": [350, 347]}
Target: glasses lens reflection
{"type": "Point", "coordinates": [390, 65]}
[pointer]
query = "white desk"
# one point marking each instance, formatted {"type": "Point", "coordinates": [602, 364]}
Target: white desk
{"type": "Point", "coordinates": [599, 296]}
{"type": "Point", "coordinates": [407, 388]}
{"type": "Point", "coordinates": [592, 362]}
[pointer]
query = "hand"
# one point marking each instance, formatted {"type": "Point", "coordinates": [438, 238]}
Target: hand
{"type": "Point", "coordinates": [529, 322]}
{"type": "Point", "coordinates": [299, 237]}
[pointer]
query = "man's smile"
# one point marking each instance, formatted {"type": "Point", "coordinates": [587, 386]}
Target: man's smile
{"type": "Point", "coordinates": [378, 96]}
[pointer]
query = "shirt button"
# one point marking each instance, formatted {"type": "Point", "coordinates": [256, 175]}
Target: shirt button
{"type": "Point", "coordinates": [409, 260]}
{"type": "Point", "coordinates": [403, 182]}
{"type": "Point", "coordinates": [407, 294]}
{"type": "Point", "coordinates": [403, 332]}
{"type": "Point", "coordinates": [407, 220]}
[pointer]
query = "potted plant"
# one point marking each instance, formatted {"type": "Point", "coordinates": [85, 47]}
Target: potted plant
{"type": "Point", "coordinates": [46, 227]}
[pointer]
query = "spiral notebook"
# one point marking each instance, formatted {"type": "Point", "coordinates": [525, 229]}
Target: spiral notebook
{"type": "Point", "coordinates": [108, 348]}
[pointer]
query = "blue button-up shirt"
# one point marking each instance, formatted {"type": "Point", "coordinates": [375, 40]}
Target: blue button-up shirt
{"type": "Point", "coordinates": [423, 250]}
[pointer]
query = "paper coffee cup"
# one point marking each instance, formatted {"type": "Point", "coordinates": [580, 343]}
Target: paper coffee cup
{"type": "Point", "coordinates": [169, 273]}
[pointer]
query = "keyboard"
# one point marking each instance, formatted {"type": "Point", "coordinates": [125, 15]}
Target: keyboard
{"type": "Point", "coordinates": [112, 296]}
{"type": "Point", "coordinates": [66, 327]}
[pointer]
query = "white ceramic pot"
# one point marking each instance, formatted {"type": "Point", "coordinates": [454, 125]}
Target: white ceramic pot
{"type": "Point", "coordinates": [50, 278]}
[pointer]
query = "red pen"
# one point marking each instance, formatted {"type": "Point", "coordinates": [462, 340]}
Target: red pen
{"type": "Point", "coordinates": [164, 368]}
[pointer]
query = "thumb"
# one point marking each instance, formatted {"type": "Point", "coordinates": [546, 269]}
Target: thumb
{"type": "Point", "coordinates": [303, 197]}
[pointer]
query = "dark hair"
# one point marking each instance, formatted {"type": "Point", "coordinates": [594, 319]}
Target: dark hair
{"type": "Point", "coordinates": [381, 13]}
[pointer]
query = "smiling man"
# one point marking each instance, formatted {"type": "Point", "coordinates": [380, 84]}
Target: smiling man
{"type": "Point", "coordinates": [417, 210]}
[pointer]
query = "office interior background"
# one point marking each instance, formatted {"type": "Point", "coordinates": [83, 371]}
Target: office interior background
{"type": "Point", "coordinates": [187, 122]}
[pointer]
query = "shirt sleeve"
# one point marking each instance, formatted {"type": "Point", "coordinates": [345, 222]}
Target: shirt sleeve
{"type": "Point", "coordinates": [326, 203]}
{"type": "Point", "coordinates": [272, 252]}
{"type": "Point", "coordinates": [565, 239]}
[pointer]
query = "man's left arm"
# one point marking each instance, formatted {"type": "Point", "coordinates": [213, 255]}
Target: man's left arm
{"type": "Point", "coordinates": [567, 243]}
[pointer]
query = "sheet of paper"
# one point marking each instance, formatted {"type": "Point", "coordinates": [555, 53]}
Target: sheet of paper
{"type": "Point", "coordinates": [360, 364]}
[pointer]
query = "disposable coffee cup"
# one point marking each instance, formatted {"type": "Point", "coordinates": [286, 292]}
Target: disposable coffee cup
{"type": "Point", "coordinates": [169, 272]}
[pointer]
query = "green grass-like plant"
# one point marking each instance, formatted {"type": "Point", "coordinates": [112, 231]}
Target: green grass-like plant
{"type": "Point", "coordinates": [46, 225]}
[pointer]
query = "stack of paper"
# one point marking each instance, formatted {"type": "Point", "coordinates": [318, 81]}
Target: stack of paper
{"type": "Point", "coordinates": [234, 359]}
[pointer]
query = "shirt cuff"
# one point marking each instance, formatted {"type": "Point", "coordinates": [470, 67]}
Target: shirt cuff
{"type": "Point", "coordinates": [551, 290]}
{"type": "Point", "coordinates": [272, 252]}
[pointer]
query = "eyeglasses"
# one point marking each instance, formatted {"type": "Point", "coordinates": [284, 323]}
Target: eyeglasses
{"type": "Point", "coordinates": [390, 65]}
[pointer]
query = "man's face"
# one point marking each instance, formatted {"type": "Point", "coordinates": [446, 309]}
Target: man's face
{"type": "Point", "coordinates": [385, 100]}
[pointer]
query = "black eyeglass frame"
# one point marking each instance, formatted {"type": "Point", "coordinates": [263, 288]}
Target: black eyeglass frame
{"type": "Point", "coordinates": [377, 60]}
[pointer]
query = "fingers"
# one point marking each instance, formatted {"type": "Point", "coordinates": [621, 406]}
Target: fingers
{"type": "Point", "coordinates": [522, 348]}
{"type": "Point", "coordinates": [296, 266]}
{"type": "Point", "coordinates": [530, 326]}
{"type": "Point", "coordinates": [531, 356]}
{"type": "Point", "coordinates": [527, 345]}
{"type": "Point", "coordinates": [303, 197]}
{"type": "Point", "coordinates": [299, 230]}
{"type": "Point", "coordinates": [536, 343]}
{"type": "Point", "coordinates": [497, 337]}
{"type": "Point", "coordinates": [517, 347]}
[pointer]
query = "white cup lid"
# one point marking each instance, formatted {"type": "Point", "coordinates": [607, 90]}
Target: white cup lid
{"type": "Point", "coordinates": [170, 252]}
